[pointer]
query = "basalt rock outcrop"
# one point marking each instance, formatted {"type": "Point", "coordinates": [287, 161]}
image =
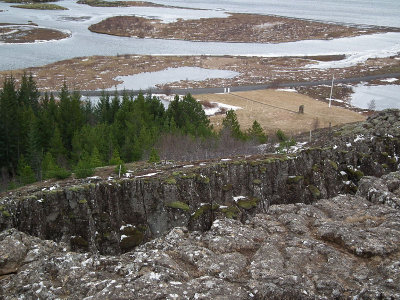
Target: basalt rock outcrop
{"type": "Point", "coordinates": [346, 247]}
{"type": "Point", "coordinates": [115, 216]}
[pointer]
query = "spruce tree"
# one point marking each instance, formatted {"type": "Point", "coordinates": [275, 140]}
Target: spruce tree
{"type": "Point", "coordinates": [84, 167]}
{"type": "Point", "coordinates": [231, 123]}
{"type": "Point", "coordinates": [25, 172]}
{"type": "Point", "coordinates": [95, 160]}
{"type": "Point", "coordinates": [9, 125]}
{"type": "Point", "coordinates": [257, 133]}
{"type": "Point", "coordinates": [154, 157]}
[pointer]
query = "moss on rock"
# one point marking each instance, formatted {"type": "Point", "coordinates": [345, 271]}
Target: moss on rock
{"type": "Point", "coordinates": [248, 203]}
{"type": "Point", "coordinates": [257, 181]}
{"type": "Point", "coordinates": [178, 205]}
{"type": "Point", "coordinates": [230, 211]}
{"type": "Point", "coordinates": [333, 164]}
{"type": "Point", "coordinates": [170, 180]}
{"type": "Point", "coordinates": [315, 192]}
{"type": "Point", "coordinates": [294, 179]}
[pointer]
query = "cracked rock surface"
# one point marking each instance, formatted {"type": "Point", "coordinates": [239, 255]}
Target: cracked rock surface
{"type": "Point", "coordinates": [344, 247]}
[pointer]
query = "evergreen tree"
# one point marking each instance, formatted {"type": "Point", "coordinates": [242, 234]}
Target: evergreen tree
{"type": "Point", "coordinates": [28, 94]}
{"type": "Point", "coordinates": [57, 149]}
{"type": "Point", "coordinates": [34, 150]}
{"type": "Point", "coordinates": [25, 172]}
{"type": "Point", "coordinates": [154, 157]}
{"type": "Point", "coordinates": [231, 123]}
{"type": "Point", "coordinates": [84, 167]}
{"type": "Point", "coordinates": [51, 170]}
{"type": "Point", "coordinates": [9, 125]}
{"type": "Point", "coordinates": [257, 133]}
{"type": "Point", "coordinates": [117, 161]}
{"type": "Point", "coordinates": [95, 160]}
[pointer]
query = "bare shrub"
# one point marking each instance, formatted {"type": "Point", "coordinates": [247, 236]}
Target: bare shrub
{"type": "Point", "coordinates": [167, 90]}
{"type": "Point", "coordinates": [186, 148]}
{"type": "Point", "coordinates": [207, 104]}
{"type": "Point", "coordinates": [372, 105]}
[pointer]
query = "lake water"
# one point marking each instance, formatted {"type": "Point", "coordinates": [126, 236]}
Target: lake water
{"type": "Point", "coordinates": [148, 80]}
{"type": "Point", "coordinates": [385, 96]}
{"type": "Point", "coordinates": [78, 18]}
{"type": "Point", "coordinates": [85, 43]}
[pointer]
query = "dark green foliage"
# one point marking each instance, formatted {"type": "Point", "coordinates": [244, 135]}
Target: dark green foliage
{"type": "Point", "coordinates": [57, 134]}
{"type": "Point", "coordinates": [257, 133]}
{"type": "Point", "coordinates": [281, 136]}
{"type": "Point", "coordinates": [118, 162]}
{"type": "Point", "coordinates": [284, 142]}
{"type": "Point", "coordinates": [188, 116]}
{"type": "Point", "coordinates": [154, 157]}
{"type": "Point", "coordinates": [84, 168]}
{"type": "Point", "coordinates": [25, 172]}
{"type": "Point", "coordinates": [95, 160]}
{"type": "Point", "coordinates": [231, 123]}
{"type": "Point", "coordinates": [51, 170]}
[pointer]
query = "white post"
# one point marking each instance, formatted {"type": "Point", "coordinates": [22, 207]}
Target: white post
{"type": "Point", "coordinates": [310, 136]}
{"type": "Point", "coordinates": [330, 97]}
{"type": "Point", "coordinates": [229, 90]}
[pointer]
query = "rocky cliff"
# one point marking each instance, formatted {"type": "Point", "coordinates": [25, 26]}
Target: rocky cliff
{"type": "Point", "coordinates": [340, 248]}
{"type": "Point", "coordinates": [114, 216]}
{"type": "Point", "coordinates": [313, 224]}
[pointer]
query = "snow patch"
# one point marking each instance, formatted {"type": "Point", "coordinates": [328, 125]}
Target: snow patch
{"type": "Point", "coordinates": [237, 198]}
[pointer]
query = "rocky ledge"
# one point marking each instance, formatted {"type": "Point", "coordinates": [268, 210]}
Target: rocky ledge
{"type": "Point", "coordinates": [339, 248]}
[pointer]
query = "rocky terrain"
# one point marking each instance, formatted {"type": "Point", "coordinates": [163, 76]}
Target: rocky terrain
{"type": "Point", "coordinates": [322, 223]}
{"type": "Point", "coordinates": [250, 28]}
{"type": "Point", "coordinates": [101, 72]}
{"type": "Point", "coordinates": [28, 33]}
{"type": "Point", "coordinates": [343, 247]}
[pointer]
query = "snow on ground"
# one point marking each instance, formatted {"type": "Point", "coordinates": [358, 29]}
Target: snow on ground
{"type": "Point", "coordinates": [220, 107]}
{"type": "Point", "coordinates": [147, 175]}
{"type": "Point", "coordinates": [237, 198]}
{"type": "Point", "coordinates": [390, 80]}
{"type": "Point", "coordinates": [287, 90]}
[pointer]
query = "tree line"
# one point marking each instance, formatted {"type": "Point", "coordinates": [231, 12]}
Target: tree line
{"type": "Point", "coordinates": [47, 137]}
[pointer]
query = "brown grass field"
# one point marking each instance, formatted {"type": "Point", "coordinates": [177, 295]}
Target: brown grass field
{"type": "Point", "coordinates": [276, 109]}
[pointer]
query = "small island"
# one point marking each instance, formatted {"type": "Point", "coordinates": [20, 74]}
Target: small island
{"type": "Point", "coordinates": [28, 33]}
{"type": "Point", "coordinates": [236, 27]}
{"type": "Point", "coordinates": [40, 6]}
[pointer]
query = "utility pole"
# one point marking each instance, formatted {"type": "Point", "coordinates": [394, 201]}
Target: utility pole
{"type": "Point", "coordinates": [330, 97]}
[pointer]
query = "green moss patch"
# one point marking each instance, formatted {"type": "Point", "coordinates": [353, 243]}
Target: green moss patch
{"type": "Point", "coordinates": [333, 164]}
{"type": "Point", "coordinates": [132, 236]}
{"type": "Point", "coordinates": [82, 201]}
{"type": "Point", "coordinates": [354, 173]}
{"type": "Point", "coordinates": [294, 179]}
{"type": "Point", "coordinates": [170, 180]}
{"type": "Point", "coordinates": [257, 181]}
{"type": "Point", "coordinates": [178, 205]}
{"type": "Point", "coordinates": [203, 209]}
{"type": "Point", "coordinates": [188, 176]}
{"type": "Point", "coordinates": [203, 179]}
{"type": "Point", "coordinates": [248, 203]}
{"type": "Point", "coordinates": [5, 213]}
{"type": "Point", "coordinates": [230, 211]}
{"type": "Point", "coordinates": [314, 191]}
